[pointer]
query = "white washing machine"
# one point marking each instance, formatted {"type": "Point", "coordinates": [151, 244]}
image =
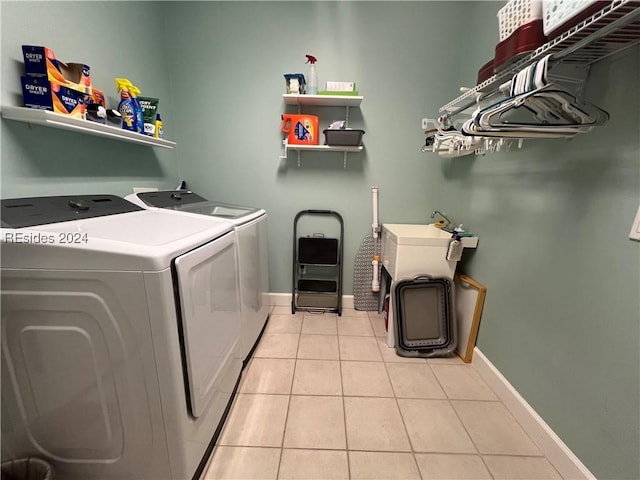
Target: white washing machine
{"type": "Point", "coordinates": [251, 227]}
{"type": "Point", "coordinates": [121, 345]}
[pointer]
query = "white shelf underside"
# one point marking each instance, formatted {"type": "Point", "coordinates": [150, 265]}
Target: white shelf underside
{"type": "Point", "coordinates": [64, 122]}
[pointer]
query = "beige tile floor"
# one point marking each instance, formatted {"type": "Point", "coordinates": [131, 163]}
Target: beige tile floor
{"type": "Point", "coordinates": [325, 398]}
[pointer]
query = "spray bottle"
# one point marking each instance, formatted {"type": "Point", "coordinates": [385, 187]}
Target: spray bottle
{"type": "Point", "coordinates": [312, 84]}
{"type": "Point", "coordinates": [137, 108]}
{"type": "Point", "coordinates": [125, 107]}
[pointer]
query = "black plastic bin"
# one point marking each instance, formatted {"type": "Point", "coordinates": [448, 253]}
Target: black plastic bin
{"type": "Point", "coordinates": [344, 137]}
{"type": "Point", "coordinates": [27, 469]}
{"type": "Point", "coordinates": [425, 324]}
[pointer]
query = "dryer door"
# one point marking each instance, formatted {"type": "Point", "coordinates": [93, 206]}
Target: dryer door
{"type": "Point", "coordinates": [208, 286]}
{"type": "Point", "coordinates": [254, 279]}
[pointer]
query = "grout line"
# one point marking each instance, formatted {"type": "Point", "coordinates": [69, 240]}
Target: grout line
{"type": "Point", "coordinates": [508, 412]}
{"type": "Point", "coordinates": [344, 413]}
{"type": "Point", "coordinates": [415, 460]}
{"type": "Point", "coordinates": [417, 452]}
{"type": "Point", "coordinates": [486, 465]}
{"type": "Point", "coordinates": [434, 452]}
{"type": "Point", "coordinates": [286, 417]}
{"type": "Point", "coordinates": [466, 430]}
{"type": "Point", "coordinates": [263, 393]}
{"type": "Point", "coordinates": [438, 381]}
{"type": "Point", "coordinates": [404, 424]}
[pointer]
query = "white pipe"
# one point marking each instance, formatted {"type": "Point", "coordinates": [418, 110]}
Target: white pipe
{"type": "Point", "coordinates": [375, 284]}
{"type": "Point", "coordinates": [374, 193]}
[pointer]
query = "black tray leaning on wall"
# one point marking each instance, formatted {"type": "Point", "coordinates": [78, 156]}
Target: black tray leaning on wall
{"type": "Point", "coordinates": [424, 316]}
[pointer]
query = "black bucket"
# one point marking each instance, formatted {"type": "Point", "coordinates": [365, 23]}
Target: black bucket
{"type": "Point", "coordinates": [27, 469]}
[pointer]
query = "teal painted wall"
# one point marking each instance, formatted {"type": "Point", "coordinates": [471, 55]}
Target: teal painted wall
{"type": "Point", "coordinates": [227, 64]}
{"type": "Point", "coordinates": [561, 318]}
{"type": "Point", "coordinates": [46, 161]}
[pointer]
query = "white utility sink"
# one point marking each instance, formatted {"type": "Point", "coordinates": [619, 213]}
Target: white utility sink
{"type": "Point", "coordinates": [427, 235]}
{"type": "Point", "coordinates": [409, 250]}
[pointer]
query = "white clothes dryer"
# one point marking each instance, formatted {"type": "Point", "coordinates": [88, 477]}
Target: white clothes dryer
{"type": "Point", "coordinates": [251, 226]}
{"type": "Point", "coordinates": [121, 347]}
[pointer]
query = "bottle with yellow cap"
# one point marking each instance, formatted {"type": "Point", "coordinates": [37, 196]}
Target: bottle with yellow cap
{"type": "Point", "coordinates": [137, 108]}
{"type": "Point", "coordinates": [126, 107]}
{"type": "Point", "coordinates": [158, 131]}
{"type": "Point", "coordinates": [129, 106]}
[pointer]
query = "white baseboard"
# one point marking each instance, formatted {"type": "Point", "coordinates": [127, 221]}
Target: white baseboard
{"type": "Point", "coordinates": [561, 456]}
{"type": "Point", "coordinates": [285, 299]}
{"type": "Point", "coordinates": [274, 299]}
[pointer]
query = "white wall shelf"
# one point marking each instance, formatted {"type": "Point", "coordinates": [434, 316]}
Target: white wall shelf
{"type": "Point", "coordinates": [346, 101]}
{"type": "Point", "coordinates": [320, 148]}
{"type": "Point", "coordinates": [47, 118]}
{"type": "Point", "coordinates": [325, 148]}
{"type": "Point", "coordinates": [323, 100]}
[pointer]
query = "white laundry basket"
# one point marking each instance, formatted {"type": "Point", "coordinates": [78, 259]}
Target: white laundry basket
{"type": "Point", "coordinates": [557, 12]}
{"type": "Point", "coordinates": [517, 13]}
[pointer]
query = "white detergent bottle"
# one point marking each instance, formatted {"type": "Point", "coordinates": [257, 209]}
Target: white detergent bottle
{"type": "Point", "coordinates": [312, 83]}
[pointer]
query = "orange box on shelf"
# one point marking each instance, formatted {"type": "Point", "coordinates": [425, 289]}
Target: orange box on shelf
{"type": "Point", "coordinates": [97, 96]}
{"type": "Point", "coordinates": [42, 62]}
